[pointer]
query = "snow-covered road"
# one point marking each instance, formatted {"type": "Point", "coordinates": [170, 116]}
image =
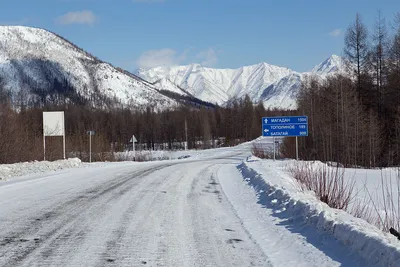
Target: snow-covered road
{"type": "Point", "coordinates": [160, 214]}
{"type": "Point", "coordinates": [172, 213]}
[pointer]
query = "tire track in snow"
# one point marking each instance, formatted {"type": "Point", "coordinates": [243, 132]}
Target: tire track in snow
{"type": "Point", "coordinates": [60, 224]}
{"type": "Point", "coordinates": [127, 246]}
{"type": "Point", "coordinates": [233, 246]}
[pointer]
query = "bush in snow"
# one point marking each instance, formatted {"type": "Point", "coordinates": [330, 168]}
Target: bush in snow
{"type": "Point", "coordinates": [329, 184]}
{"type": "Point", "coordinates": [142, 155]}
{"type": "Point", "coordinates": [263, 150]}
{"type": "Point", "coordinates": [382, 207]}
{"type": "Point", "coordinates": [124, 156]}
{"type": "Point", "coordinates": [148, 155]}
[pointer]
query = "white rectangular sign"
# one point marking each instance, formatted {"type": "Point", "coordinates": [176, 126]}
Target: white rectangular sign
{"type": "Point", "coordinates": [53, 123]}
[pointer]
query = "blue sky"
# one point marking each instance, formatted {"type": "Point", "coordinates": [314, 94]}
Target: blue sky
{"type": "Point", "coordinates": [217, 33]}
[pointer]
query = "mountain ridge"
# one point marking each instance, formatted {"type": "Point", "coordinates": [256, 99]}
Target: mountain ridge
{"type": "Point", "coordinates": [275, 86]}
{"type": "Point", "coordinates": [43, 65]}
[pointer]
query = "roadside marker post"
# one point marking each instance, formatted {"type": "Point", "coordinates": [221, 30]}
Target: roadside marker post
{"type": "Point", "coordinates": [90, 133]}
{"type": "Point", "coordinates": [274, 149]}
{"type": "Point", "coordinates": [133, 141]}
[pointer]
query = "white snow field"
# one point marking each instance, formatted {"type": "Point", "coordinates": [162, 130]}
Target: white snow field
{"type": "Point", "coordinates": [210, 209]}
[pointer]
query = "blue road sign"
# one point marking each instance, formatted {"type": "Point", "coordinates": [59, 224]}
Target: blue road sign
{"type": "Point", "coordinates": [285, 120]}
{"type": "Point", "coordinates": [285, 126]}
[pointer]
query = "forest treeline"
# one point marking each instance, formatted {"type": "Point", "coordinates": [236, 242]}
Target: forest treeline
{"type": "Point", "coordinates": [21, 130]}
{"type": "Point", "coordinates": [354, 116]}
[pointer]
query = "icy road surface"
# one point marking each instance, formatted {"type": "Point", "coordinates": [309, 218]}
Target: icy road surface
{"type": "Point", "coordinates": [171, 213]}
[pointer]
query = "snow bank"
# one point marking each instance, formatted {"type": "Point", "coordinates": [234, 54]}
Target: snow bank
{"type": "Point", "coordinates": [276, 188]}
{"type": "Point", "coordinates": [375, 195]}
{"type": "Point", "coordinates": [24, 168]}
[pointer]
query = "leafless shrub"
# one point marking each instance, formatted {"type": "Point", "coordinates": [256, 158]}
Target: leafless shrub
{"type": "Point", "coordinates": [124, 156]}
{"type": "Point", "coordinates": [262, 152]}
{"type": "Point", "coordinates": [142, 156]}
{"type": "Point", "coordinates": [381, 208]}
{"type": "Point", "coordinates": [329, 184]}
{"type": "Point", "coordinates": [361, 211]}
{"type": "Point", "coordinates": [104, 156]}
{"type": "Point", "coordinates": [384, 206]}
{"type": "Point", "coordinates": [361, 208]}
{"type": "Point", "coordinates": [148, 155]}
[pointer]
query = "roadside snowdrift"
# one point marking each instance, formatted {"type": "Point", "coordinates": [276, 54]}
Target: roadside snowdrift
{"type": "Point", "coordinates": [276, 190]}
{"type": "Point", "coordinates": [25, 168]}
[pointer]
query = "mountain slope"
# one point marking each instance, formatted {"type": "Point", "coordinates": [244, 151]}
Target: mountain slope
{"type": "Point", "coordinates": [276, 87]}
{"type": "Point", "coordinates": [282, 93]}
{"type": "Point", "coordinates": [330, 65]}
{"type": "Point", "coordinates": [218, 85]}
{"type": "Point", "coordinates": [166, 84]}
{"type": "Point", "coordinates": [34, 62]}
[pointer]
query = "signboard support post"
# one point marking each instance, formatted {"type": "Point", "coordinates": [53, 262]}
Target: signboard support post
{"type": "Point", "coordinates": [64, 145]}
{"type": "Point", "coordinates": [63, 136]}
{"type": "Point", "coordinates": [133, 140]}
{"type": "Point", "coordinates": [90, 147]}
{"type": "Point", "coordinates": [90, 133]}
{"type": "Point", "coordinates": [186, 143]}
{"type": "Point", "coordinates": [44, 147]}
{"type": "Point", "coordinates": [297, 149]}
{"type": "Point", "coordinates": [274, 148]}
{"type": "Point", "coordinates": [133, 148]}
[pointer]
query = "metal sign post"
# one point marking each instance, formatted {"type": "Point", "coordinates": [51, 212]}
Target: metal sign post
{"type": "Point", "coordinates": [44, 147]}
{"type": "Point", "coordinates": [64, 145]}
{"type": "Point", "coordinates": [274, 148]}
{"type": "Point", "coordinates": [90, 133]}
{"type": "Point", "coordinates": [285, 126]}
{"type": "Point", "coordinates": [186, 135]}
{"type": "Point", "coordinates": [133, 141]}
{"type": "Point", "coordinates": [277, 147]}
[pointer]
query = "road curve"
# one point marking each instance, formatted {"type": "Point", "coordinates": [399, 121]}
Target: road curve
{"type": "Point", "coordinates": [157, 214]}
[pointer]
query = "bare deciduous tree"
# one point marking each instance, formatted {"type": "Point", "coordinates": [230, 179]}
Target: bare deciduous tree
{"type": "Point", "coordinates": [356, 50]}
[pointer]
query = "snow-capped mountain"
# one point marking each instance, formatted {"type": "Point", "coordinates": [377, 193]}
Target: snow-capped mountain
{"type": "Point", "coordinates": [282, 93]}
{"type": "Point", "coordinates": [35, 61]}
{"type": "Point", "coordinates": [330, 65]}
{"type": "Point", "coordinates": [274, 86]}
{"type": "Point", "coordinates": [166, 84]}
{"type": "Point", "coordinates": [218, 85]}
{"type": "Point", "coordinates": [35, 58]}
